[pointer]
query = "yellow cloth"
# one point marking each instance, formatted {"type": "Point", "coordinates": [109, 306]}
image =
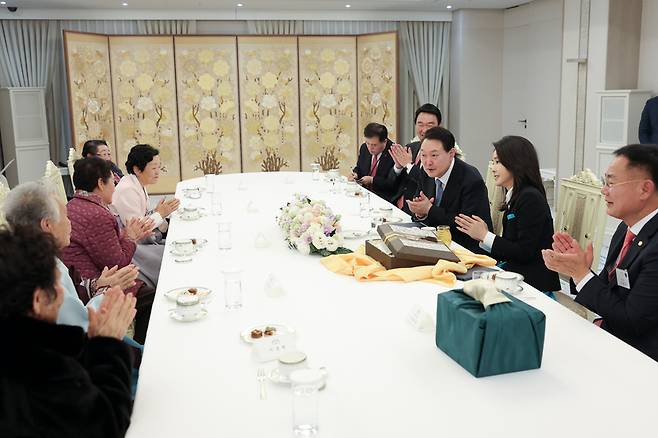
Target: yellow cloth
{"type": "Point", "coordinates": [365, 268]}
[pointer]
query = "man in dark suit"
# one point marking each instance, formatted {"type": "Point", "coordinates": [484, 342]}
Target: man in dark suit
{"type": "Point", "coordinates": [625, 293]}
{"type": "Point", "coordinates": [447, 187]}
{"type": "Point", "coordinates": [374, 161]}
{"type": "Point", "coordinates": [648, 131]}
{"type": "Point", "coordinates": [403, 177]}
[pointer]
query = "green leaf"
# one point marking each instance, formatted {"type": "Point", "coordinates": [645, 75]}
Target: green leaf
{"type": "Point", "coordinates": [343, 250]}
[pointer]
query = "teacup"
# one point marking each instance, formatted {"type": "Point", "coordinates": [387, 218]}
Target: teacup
{"type": "Point", "coordinates": [291, 361]}
{"type": "Point", "coordinates": [183, 247]}
{"type": "Point", "coordinates": [187, 305]}
{"type": "Point", "coordinates": [190, 213]}
{"type": "Point", "coordinates": [192, 193]}
{"type": "Point", "coordinates": [508, 281]}
{"type": "Point", "coordinates": [351, 188]}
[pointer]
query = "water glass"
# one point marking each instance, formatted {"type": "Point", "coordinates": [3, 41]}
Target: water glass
{"type": "Point", "coordinates": [364, 204]}
{"type": "Point", "coordinates": [315, 168]}
{"type": "Point", "coordinates": [210, 182]}
{"type": "Point", "coordinates": [232, 288]}
{"type": "Point", "coordinates": [305, 386]}
{"type": "Point", "coordinates": [224, 235]}
{"type": "Point", "coordinates": [215, 203]}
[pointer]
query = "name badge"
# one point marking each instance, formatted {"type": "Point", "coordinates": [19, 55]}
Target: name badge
{"type": "Point", "coordinates": [511, 216]}
{"type": "Point", "coordinates": [271, 347]}
{"type": "Point", "coordinates": [622, 278]}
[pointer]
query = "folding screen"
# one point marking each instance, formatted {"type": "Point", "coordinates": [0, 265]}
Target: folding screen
{"type": "Point", "coordinates": [269, 103]}
{"type": "Point", "coordinates": [144, 91]}
{"type": "Point", "coordinates": [378, 87]}
{"type": "Point", "coordinates": [208, 114]}
{"type": "Point", "coordinates": [327, 86]}
{"type": "Point", "coordinates": [90, 91]}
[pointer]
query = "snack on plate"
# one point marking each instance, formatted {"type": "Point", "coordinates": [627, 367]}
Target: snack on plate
{"type": "Point", "coordinates": [256, 334]}
{"type": "Point", "coordinates": [193, 241]}
{"type": "Point", "coordinates": [270, 331]}
{"type": "Point", "coordinates": [192, 291]}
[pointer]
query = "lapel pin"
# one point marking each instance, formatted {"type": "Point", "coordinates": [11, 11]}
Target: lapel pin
{"type": "Point", "coordinates": [639, 243]}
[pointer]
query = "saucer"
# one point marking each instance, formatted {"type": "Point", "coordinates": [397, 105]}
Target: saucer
{"type": "Point", "coordinates": [513, 291]}
{"type": "Point", "coordinates": [202, 292]}
{"type": "Point", "coordinates": [355, 234]}
{"type": "Point", "coordinates": [202, 313]}
{"type": "Point", "coordinates": [173, 251]}
{"type": "Point", "coordinates": [280, 329]}
{"type": "Point", "coordinates": [276, 377]}
{"type": "Point", "coordinates": [192, 193]}
{"type": "Point", "coordinates": [183, 259]}
{"type": "Point", "coordinates": [193, 216]}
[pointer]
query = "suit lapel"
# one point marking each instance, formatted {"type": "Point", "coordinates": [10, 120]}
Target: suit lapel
{"type": "Point", "coordinates": [640, 242]}
{"type": "Point", "coordinates": [453, 186]}
{"type": "Point", "coordinates": [615, 246]}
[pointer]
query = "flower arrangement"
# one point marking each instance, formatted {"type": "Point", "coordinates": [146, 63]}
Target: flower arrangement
{"type": "Point", "coordinates": [311, 227]}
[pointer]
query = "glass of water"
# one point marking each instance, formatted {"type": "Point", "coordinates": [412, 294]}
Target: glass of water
{"type": "Point", "coordinates": [215, 203]}
{"type": "Point", "coordinates": [305, 386]}
{"type": "Point", "coordinates": [224, 235]}
{"type": "Point", "coordinates": [315, 168]}
{"type": "Point", "coordinates": [232, 288]}
{"type": "Point", "coordinates": [210, 182]}
{"type": "Point", "coordinates": [364, 204]}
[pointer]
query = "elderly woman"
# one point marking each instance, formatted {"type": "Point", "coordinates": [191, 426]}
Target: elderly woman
{"type": "Point", "coordinates": [97, 240]}
{"type": "Point", "coordinates": [55, 380]}
{"type": "Point", "coordinates": [99, 148]}
{"type": "Point", "coordinates": [131, 200]}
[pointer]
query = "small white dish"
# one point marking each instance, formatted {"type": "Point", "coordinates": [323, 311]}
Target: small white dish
{"type": "Point", "coordinates": [355, 234]}
{"type": "Point", "coordinates": [280, 329]}
{"type": "Point", "coordinates": [192, 214]}
{"type": "Point", "coordinates": [202, 292]}
{"type": "Point", "coordinates": [192, 193]}
{"type": "Point", "coordinates": [183, 259]}
{"type": "Point", "coordinates": [174, 314]}
{"type": "Point", "coordinates": [275, 376]}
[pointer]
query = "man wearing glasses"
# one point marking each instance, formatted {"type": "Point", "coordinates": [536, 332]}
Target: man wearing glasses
{"type": "Point", "coordinates": [625, 293]}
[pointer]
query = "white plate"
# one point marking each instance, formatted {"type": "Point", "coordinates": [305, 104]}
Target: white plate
{"type": "Point", "coordinates": [355, 234]}
{"type": "Point", "coordinates": [201, 212]}
{"type": "Point", "coordinates": [276, 377]}
{"type": "Point", "coordinates": [280, 329]}
{"type": "Point", "coordinates": [202, 313]}
{"type": "Point", "coordinates": [202, 292]}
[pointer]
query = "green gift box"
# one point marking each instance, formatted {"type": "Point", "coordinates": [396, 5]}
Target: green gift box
{"type": "Point", "coordinates": [504, 338]}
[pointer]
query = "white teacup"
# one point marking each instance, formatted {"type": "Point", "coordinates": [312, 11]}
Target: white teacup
{"type": "Point", "coordinates": [508, 281]}
{"type": "Point", "coordinates": [190, 213]}
{"type": "Point", "coordinates": [192, 193]}
{"type": "Point", "coordinates": [183, 247]}
{"type": "Point", "coordinates": [187, 306]}
{"type": "Point", "coordinates": [291, 361]}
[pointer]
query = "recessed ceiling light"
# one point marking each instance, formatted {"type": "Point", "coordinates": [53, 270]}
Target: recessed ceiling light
{"type": "Point", "coordinates": [3, 3]}
{"type": "Point", "coordinates": [239, 5]}
{"type": "Point", "coordinates": [449, 7]}
{"type": "Point", "coordinates": [124, 4]}
{"type": "Point", "coordinates": [348, 6]}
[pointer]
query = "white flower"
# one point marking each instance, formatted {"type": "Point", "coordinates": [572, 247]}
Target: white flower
{"type": "Point", "coordinates": [328, 101]}
{"type": "Point", "coordinates": [319, 241]}
{"type": "Point", "coordinates": [208, 103]}
{"type": "Point", "coordinates": [331, 244]}
{"type": "Point", "coordinates": [303, 247]}
{"type": "Point", "coordinates": [144, 104]}
{"type": "Point", "coordinates": [376, 100]}
{"type": "Point", "coordinates": [269, 101]}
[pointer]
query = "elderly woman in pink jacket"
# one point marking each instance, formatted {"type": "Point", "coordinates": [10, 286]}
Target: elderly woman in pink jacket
{"type": "Point", "coordinates": [131, 200]}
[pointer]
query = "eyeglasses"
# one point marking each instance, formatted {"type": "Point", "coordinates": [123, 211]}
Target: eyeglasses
{"type": "Point", "coordinates": [610, 185]}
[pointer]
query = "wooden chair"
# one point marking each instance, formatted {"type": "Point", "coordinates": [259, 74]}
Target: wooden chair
{"type": "Point", "coordinates": [53, 178]}
{"type": "Point", "coordinates": [73, 156]}
{"type": "Point", "coordinates": [496, 198]}
{"type": "Point", "coordinates": [4, 192]}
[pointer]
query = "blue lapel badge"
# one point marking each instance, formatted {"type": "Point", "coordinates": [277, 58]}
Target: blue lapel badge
{"type": "Point", "coordinates": [511, 216]}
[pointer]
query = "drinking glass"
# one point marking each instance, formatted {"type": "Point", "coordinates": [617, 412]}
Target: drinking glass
{"type": "Point", "coordinates": [443, 234]}
{"type": "Point", "coordinates": [215, 203]}
{"type": "Point", "coordinates": [315, 168]}
{"type": "Point", "coordinates": [305, 386]}
{"type": "Point", "coordinates": [210, 182]}
{"type": "Point", "coordinates": [232, 288]}
{"type": "Point", "coordinates": [224, 235]}
{"type": "Point", "coordinates": [364, 204]}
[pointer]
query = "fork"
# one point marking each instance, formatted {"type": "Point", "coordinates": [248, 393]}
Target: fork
{"type": "Point", "coordinates": [260, 375]}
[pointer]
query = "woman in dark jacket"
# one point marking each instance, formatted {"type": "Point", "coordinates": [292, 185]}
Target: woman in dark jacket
{"type": "Point", "coordinates": [99, 148]}
{"type": "Point", "coordinates": [527, 220]}
{"type": "Point", "coordinates": [55, 380]}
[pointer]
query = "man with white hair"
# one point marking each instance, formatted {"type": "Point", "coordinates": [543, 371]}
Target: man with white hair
{"type": "Point", "coordinates": [34, 205]}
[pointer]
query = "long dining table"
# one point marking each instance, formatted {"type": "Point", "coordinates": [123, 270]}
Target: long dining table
{"type": "Point", "coordinates": [385, 377]}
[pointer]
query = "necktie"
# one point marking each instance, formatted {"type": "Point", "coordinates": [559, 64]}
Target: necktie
{"type": "Point", "coordinates": [624, 250]}
{"type": "Point", "coordinates": [439, 192]}
{"type": "Point", "coordinates": [373, 166]}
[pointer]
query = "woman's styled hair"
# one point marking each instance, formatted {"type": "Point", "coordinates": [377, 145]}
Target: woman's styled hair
{"type": "Point", "coordinates": [519, 157]}
{"type": "Point", "coordinates": [27, 263]}
{"type": "Point", "coordinates": [87, 172]}
{"type": "Point", "coordinates": [140, 155]}
{"type": "Point", "coordinates": [91, 147]}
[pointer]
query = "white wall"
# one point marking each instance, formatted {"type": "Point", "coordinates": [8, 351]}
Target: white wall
{"type": "Point", "coordinates": [648, 67]}
{"type": "Point", "coordinates": [532, 49]}
{"type": "Point", "coordinates": [476, 84]}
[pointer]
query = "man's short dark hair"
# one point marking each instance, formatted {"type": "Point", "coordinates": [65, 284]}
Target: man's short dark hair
{"type": "Point", "coordinates": [441, 134]}
{"type": "Point", "coordinates": [430, 109]}
{"type": "Point", "coordinates": [27, 263]}
{"type": "Point", "coordinates": [375, 130]}
{"type": "Point", "coordinates": [642, 156]}
{"type": "Point", "coordinates": [140, 155]}
{"type": "Point", "coordinates": [91, 147]}
{"type": "Point", "coordinates": [87, 172]}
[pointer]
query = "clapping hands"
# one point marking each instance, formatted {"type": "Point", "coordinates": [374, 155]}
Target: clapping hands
{"type": "Point", "coordinates": [420, 205]}
{"type": "Point", "coordinates": [138, 228]}
{"type": "Point", "coordinates": [167, 206]}
{"type": "Point", "coordinates": [115, 314]}
{"type": "Point", "coordinates": [568, 258]}
{"type": "Point", "coordinates": [401, 155]}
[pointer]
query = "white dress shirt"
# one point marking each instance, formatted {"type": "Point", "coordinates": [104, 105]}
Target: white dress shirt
{"type": "Point", "coordinates": [635, 229]}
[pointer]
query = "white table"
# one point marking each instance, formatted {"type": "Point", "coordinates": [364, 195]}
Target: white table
{"type": "Point", "coordinates": [385, 379]}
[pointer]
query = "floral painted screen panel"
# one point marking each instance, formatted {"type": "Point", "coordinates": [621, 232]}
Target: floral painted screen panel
{"type": "Point", "coordinates": [90, 90]}
{"type": "Point", "coordinates": [378, 89]}
{"type": "Point", "coordinates": [269, 103]}
{"type": "Point", "coordinates": [209, 120]}
{"type": "Point", "coordinates": [327, 86]}
{"type": "Point", "coordinates": [144, 91]}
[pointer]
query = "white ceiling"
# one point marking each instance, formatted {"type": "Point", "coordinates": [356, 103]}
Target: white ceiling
{"type": "Point", "coordinates": [379, 5]}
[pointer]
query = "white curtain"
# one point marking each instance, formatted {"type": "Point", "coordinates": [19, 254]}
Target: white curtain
{"type": "Point", "coordinates": [275, 27]}
{"type": "Point", "coordinates": [166, 27]}
{"type": "Point", "coordinates": [427, 46]}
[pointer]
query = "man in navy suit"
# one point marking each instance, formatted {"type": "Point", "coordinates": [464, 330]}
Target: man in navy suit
{"type": "Point", "coordinates": [625, 293]}
{"type": "Point", "coordinates": [374, 161]}
{"type": "Point", "coordinates": [648, 131]}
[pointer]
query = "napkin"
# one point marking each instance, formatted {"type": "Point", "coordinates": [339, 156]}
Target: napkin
{"type": "Point", "coordinates": [365, 268]}
{"type": "Point", "coordinates": [485, 292]}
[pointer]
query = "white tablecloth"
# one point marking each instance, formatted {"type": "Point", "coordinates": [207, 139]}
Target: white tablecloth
{"type": "Point", "coordinates": [385, 379]}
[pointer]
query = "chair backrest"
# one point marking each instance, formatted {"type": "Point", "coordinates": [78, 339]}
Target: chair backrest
{"type": "Point", "coordinates": [73, 156]}
{"type": "Point", "coordinates": [4, 192]}
{"type": "Point", "coordinates": [53, 178]}
{"type": "Point", "coordinates": [581, 210]}
{"type": "Point", "coordinates": [496, 198]}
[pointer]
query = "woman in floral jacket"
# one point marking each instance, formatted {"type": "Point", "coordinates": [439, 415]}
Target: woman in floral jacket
{"type": "Point", "coordinates": [96, 238]}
